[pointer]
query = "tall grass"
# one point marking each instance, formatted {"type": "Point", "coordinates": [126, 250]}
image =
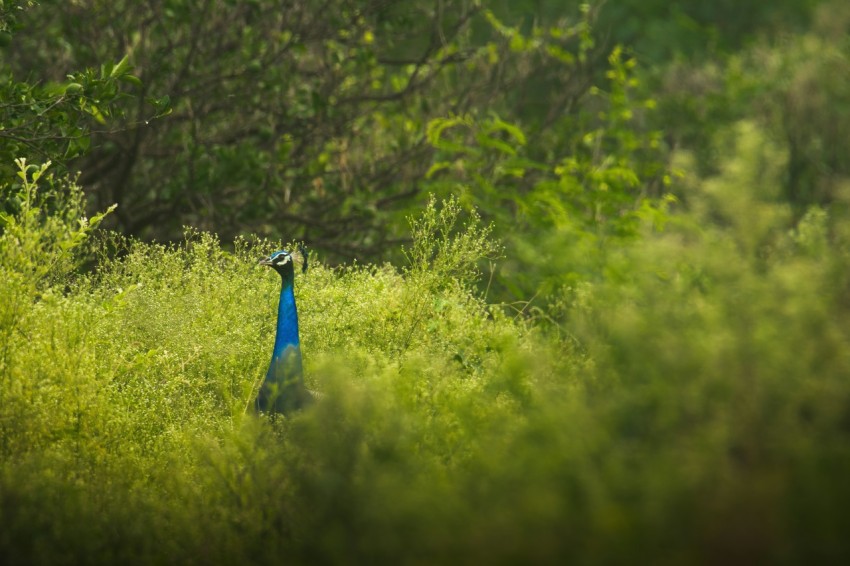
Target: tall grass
{"type": "Point", "coordinates": [691, 405]}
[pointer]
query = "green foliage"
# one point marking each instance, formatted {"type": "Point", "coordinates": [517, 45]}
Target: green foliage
{"type": "Point", "coordinates": [690, 29]}
{"type": "Point", "coordinates": [46, 225]}
{"type": "Point", "coordinates": [804, 99]}
{"type": "Point", "coordinates": [605, 187]}
{"type": "Point", "coordinates": [55, 120]}
{"type": "Point", "coordinates": [698, 408]}
{"type": "Point", "coordinates": [724, 340]}
{"type": "Point", "coordinates": [297, 121]}
{"type": "Point", "coordinates": [674, 391]}
{"type": "Point", "coordinates": [41, 245]}
{"type": "Point", "coordinates": [9, 10]}
{"type": "Point", "coordinates": [441, 247]}
{"type": "Point", "coordinates": [796, 89]}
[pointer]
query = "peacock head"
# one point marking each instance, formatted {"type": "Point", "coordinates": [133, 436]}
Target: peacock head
{"type": "Point", "coordinates": [284, 262]}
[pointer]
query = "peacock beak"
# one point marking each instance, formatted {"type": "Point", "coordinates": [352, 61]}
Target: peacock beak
{"type": "Point", "coordinates": [265, 261]}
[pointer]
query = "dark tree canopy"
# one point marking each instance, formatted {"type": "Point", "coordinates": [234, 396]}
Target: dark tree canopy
{"type": "Point", "coordinates": [294, 118]}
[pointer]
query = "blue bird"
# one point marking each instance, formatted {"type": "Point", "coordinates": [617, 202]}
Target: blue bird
{"type": "Point", "coordinates": [283, 389]}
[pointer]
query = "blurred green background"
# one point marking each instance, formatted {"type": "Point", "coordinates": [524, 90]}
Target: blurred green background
{"type": "Point", "coordinates": [581, 290]}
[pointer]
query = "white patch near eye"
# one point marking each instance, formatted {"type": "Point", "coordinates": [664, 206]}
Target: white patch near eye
{"type": "Point", "coordinates": [281, 259]}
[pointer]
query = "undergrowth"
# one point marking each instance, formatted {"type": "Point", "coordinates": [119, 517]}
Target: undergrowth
{"type": "Point", "coordinates": [688, 405]}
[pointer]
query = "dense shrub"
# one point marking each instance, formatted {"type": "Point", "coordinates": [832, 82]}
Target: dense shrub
{"type": "Point", "coordinates": [690, 406]}
{"type": "Point", "coordinates": [670, 385]}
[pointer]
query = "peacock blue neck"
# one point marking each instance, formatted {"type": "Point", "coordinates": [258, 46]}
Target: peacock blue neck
{"type": "Point", "coordinates": [287, 320]}
{"type": "Point", "coordinates": [283, 389]}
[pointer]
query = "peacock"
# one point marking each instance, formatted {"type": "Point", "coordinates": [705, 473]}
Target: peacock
{"type": "Point", "coordinates": [283, 389]}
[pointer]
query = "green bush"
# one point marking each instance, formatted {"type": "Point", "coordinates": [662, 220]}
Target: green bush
{"type": "Point", "coordinates": [561, 198]}
{"type": "Point", "coordinates": [670, 386]}
{"type": "Point", "coordinates": [796, 89]}
{"type": "Point", "coordinates": [690, 406]}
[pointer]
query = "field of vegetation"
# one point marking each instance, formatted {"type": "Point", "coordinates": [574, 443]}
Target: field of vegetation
{"type": "Point", "coordinates": [580, 291]}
